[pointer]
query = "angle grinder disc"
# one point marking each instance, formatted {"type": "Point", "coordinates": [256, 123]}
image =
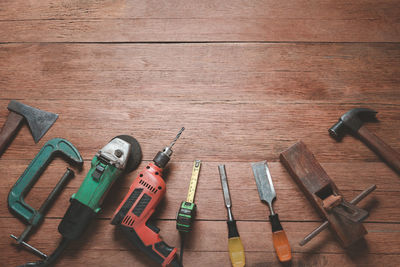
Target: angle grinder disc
{"type": "Point", "coordinates": [135, 157]}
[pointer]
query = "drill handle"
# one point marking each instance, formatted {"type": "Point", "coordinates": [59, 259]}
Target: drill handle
{"type": "Point", "coordinates": [159, 251]}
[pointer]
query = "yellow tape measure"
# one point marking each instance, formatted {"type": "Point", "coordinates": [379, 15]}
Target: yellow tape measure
{"type": "Point", "coordinates": [193, 181]}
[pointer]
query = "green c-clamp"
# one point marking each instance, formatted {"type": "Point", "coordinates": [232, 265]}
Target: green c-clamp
{"type": "Point", "coordinates": [16, 203]}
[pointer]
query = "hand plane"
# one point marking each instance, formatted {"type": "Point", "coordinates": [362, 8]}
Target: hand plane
{"type": "Point", "coordinates": [344, 218]}
{"type": "Point", "coordinates": [16, 203]}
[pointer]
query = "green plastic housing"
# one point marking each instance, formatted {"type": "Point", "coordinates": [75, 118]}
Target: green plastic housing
{"type": "Point", "coordinates": [185, 216]}
{"type": "Point", "coordinates": [93, 190]}
{"type": "Point", "coordinates": [16, 197]}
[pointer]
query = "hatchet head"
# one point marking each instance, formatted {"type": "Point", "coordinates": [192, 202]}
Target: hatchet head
{"type": "Point", "coordinates": [39, 121]}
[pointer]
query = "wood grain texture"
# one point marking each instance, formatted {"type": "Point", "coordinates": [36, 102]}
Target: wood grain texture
{"type": "Point", "coordinates": [291, 201]}
{"type": "Point", "coordinates": [178, 175]}
{"type": "Point", "coordinates": [182, 21]}
{"type": "Point", "coordinates": [291, 206]}
{"type": "Point", "coordinates": [210, 237]}
{"type": "Point", "coordinates": [279, 125]}
{"type": "Point", "coordinates": [247, 79]}
{"type": "Point", "coordinates": [333, 73]}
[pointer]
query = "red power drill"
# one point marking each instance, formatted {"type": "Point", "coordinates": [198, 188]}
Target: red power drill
{"type": "Point", "coordinates": [139, 204]}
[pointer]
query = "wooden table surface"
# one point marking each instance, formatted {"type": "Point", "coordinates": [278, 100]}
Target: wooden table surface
{"type": "Point", "coordinates": [247, 79]}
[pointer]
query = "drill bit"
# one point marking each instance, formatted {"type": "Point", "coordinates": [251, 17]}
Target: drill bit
{"type": "Point", "coordinates": [176, 137]}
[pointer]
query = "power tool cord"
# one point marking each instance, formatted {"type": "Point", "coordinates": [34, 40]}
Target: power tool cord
{"type": "Point", "coordinates": [182, 246]}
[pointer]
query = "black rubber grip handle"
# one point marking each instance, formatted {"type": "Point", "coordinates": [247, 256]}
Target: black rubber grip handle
{"type": "Point", "coordinates": [160, 247]}
{"type": "Point", "coordinates": [275, 223]}
{"type": "Point", "coordinates": [232, 229]}
{"type": "Point", "coordinates": [76, 219]}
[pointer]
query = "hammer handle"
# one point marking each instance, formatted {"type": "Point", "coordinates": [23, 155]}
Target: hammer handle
{"type": "Point", "coordinates": [388, 154]}
{"type": "Point", "coordinates": [9, 130]}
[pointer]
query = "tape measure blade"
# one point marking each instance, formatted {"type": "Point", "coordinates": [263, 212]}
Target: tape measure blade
{"type": "Point", "coordinates": [193, 181]}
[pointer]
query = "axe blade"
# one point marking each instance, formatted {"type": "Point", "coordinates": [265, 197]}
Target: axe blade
{"type": "Point", "coordinates": [39, 121]}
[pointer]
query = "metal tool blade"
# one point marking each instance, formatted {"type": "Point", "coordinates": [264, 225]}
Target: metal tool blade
{"type": "Point", "coordinates": [264, 183]}
{"type": "Point", "coordinates": [39, 121]}
{"type": "Point", "coordinates": [351, 212]}
{"type": "Point", "coordinates": [193, 181]}
{"type": "Point", "coordinates": [224, 184]}
{"type": "Point", "coordinates": [225, 190]}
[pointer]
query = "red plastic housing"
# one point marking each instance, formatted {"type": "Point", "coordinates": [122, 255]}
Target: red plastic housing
{"type": "Point", "coordinates": [152, 184]}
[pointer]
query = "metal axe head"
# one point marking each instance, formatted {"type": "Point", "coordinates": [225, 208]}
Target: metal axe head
{"type": "Point", "coordinates": [39, 121]}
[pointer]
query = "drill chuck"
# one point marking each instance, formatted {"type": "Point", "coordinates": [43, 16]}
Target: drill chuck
{"type": "Point", "coordinates": [163, 157]}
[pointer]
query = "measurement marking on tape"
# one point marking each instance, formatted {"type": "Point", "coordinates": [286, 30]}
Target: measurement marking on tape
{"type": "Point", "coordinates": [193, 181]}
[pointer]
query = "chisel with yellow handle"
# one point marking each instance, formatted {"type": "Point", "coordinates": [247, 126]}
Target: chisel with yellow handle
{"type": "Point", "coordinates": [267, 193]}
{"type": "Point", "coordinates": [236, 250]}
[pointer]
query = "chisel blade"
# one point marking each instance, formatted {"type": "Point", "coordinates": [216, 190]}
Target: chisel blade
{"type": "Point", "coordinates": [264, 182]}
{"type": "Point", "coordinates": [225, 188]}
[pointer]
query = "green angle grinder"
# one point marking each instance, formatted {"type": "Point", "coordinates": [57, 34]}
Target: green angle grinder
{"type": "Point", "coordinates": [121, 155]}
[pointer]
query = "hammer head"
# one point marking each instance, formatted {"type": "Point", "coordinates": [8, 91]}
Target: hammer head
{"type": "Point", "coordinates": [351, 121]}
{"type": "Point", "coordinates": [39, 121]}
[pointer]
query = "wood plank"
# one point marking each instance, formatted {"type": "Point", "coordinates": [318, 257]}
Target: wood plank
{"type": "Point", "coordinates": [272, 20]}
{"type": "Point", "coordinates": [240, 102]}
{"type": "Point", "coordinates": [383, 239]}
{"type": "Point", "coordinates": [334, 73]}
{"type": "Point", "coordinates": [218, 128]}
{"type": "Point", "coordinates": [94, 9]}
{"type": "Point", "coordinates": [106, 257]}
{"type": "Point", "coordinates": [347, 175]}
{"type": "Point", "coordinates": [291, 205]}
{"type": "Point", "coordinates": [211, 236]}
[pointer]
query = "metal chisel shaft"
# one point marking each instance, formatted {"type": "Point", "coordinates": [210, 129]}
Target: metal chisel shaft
{"type": "Point", "coordinates": [225, 190]}
{"type": "Point", "coordinates": [236, 249]}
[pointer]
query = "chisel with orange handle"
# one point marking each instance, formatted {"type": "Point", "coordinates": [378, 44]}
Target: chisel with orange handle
{"type": "Point", "coordinates": [236, 250]}
{"type": "Point", "coordinates": [267, 193]}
